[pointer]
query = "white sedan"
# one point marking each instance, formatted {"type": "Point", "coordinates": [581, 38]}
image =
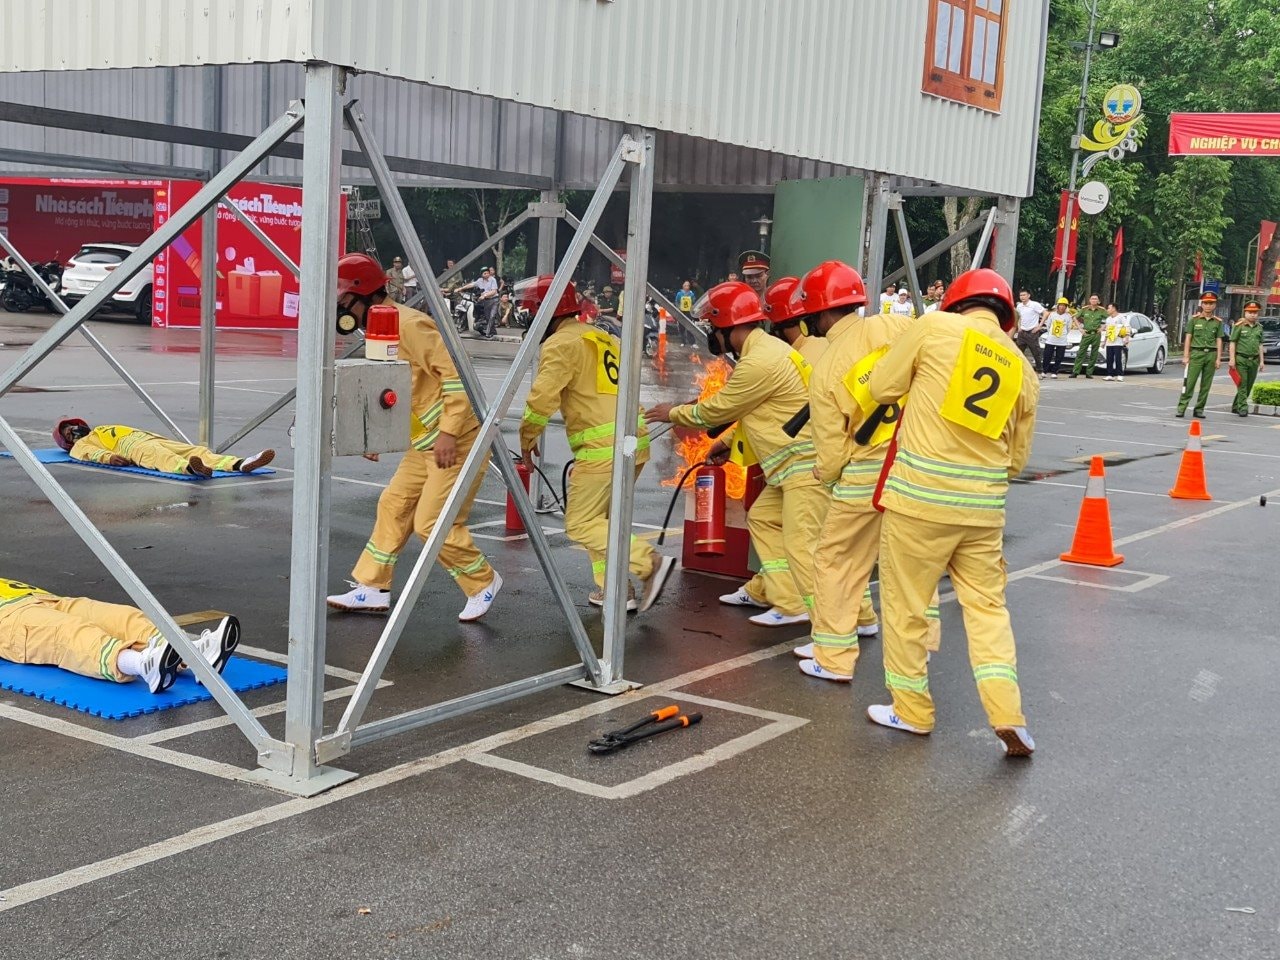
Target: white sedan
{"type": "Point", "coordinates": [93, 263]}
{"type": "Point", "coordinates": [1148, 346]}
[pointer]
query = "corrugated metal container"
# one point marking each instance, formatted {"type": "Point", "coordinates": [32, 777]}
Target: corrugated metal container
{"type": "Point", "coordinates": [830, 81]}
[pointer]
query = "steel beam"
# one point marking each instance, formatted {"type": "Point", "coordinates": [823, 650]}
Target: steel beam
{"type": "Point", "coordinates": [939, 248]}
{"type": "Point", "coordinates": [309, 555]}
{"type": "Point", "coordinates": [1006, 236]}
{"type": "Point", "coordinates": [904, 247]}
{"type": "Point", "coordinates": [261, 237]}
{"type": "Point", "coordinates": [505, 464]}
{"type": "Point", "coordinates": [473, 463]}
{"type": "Point", "coordinates": [269, 750]}
{"type": "Point", "coordinates": [191, 211]}
{"type": "Point", "coordinates": [158, 171]}
{"type": "Point", "coordinates": [61, 306]}
{"type": "Point", "coordinates": [195, 137]}
{"type": "Point", "coordinates": [208, 321]}
{"type": "Point", "coordinates": [878, 194]}
{"type": "Point", "coordinates": [984, 241]}
{"type": "Point", "coordinates": [625, 439]}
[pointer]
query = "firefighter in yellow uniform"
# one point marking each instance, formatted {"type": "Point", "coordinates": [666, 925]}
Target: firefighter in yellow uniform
{"type": "Point", "coordinates": [767, 387]}
{"type": "Point", "coordinates": [966, 430]}
{"type": "Point", "coordinates": [115, 445]}
{"type": "Point", "coordinates": [444, 427]}
{"type": "Point", "coordinates": [105, 641]}
{"type": "Point", "coordinates": [578, 375]}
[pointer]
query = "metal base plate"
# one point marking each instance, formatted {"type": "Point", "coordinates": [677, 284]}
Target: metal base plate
{"type": "Point", "coordinates": [326, 778]}
{"type": "Point", "coordinates": [608, 689]}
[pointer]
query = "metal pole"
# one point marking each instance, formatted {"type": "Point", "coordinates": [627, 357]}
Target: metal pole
{"type": "Point", "coordinates": [622, 493]}
{"type": "Point", "coordinates": [545, 264]}
{"type": "Point", "coordinates": [261, 237]}
{"type": "Point", "coordinates": [399, 214]}
{"type": "Point", "coordinates": [61, 306]}
{"type": "Point", "coordinates": [475, 254]}
{"type": "Point", "coordinates": [984, 241]}
{"type": "Point", "coordinates": [904, 246]}
{"type": "Point", "coordinates": [473, 462]}
{"type": "Point", "coordinates": [191, 211]}
{"type": "Point", "coordinates": [309, 568]}
{"type": "Point", "coordinates": [208, 320]}
{"type": "Point", "coordinates": [941, 247]}
{"type": "Point", "coordinates": [878, 222]}
{"type": "Point", "coordinates": [1081, 110]}
{"type": "Point", "coordinates": [1007, 236]}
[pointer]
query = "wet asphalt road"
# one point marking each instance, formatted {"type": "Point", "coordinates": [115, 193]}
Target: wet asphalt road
{"type": "Point", "coordinates": [783, 826]}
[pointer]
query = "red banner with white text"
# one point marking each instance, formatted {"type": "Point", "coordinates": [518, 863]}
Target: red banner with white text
{"type": "Point", "coordinates": [1224, 134]}
{"type": "Point", "coordinates": [1062, 229]}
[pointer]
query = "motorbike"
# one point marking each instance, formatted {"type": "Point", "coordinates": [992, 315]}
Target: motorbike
{"type": "Point", "coordinates": [612, 324]}
{"type": "Point", "coordinates": [464, 312]}
{"type": "Point", "coordinates": [20, 292]}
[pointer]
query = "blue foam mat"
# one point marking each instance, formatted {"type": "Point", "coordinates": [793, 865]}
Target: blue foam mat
{"type": "Point", "coordinates": [119, 701]}
{"type": "Point", "coordinates": [57, 455]}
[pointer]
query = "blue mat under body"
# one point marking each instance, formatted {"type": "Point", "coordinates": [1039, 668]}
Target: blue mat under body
{"type": "Point", "coordinates": [118, 701]}
{"type": "Point", "coordinates": [57, 455]}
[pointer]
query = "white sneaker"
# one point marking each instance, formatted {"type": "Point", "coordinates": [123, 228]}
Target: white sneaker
{"type": "Point", "coordinates": [160, 666]}
{"type": "Point", "coordinates": [740, 598]}
{"type": "Point", "coordinates": [773, 617]}
{"type": "Point", "coordinates": [870, 630]}
{"type": "Point", "coordinates": [814, 669]}
{"type": "Point", "coordinates": [1108, 378]}
{"type": "Point", "coordinates": [1053, 376]}
{"type": "Point", "coordinates": [361, 599]}
{"type": "Point", "coordinates": [804, 652]}
{"type": "Point", "coordinates": [1017, 742]}
{"type": "Point", "coordinates": [217, 644]}
{"type": "Point", "coordinates": [653, 584]}
{"type": "Point", "coordinates": [1120, 379]}
{"type": "Point", "coordinates": [882, 713]}
{"type": "Point", "coordinates": [596, 598]}
{"type": "Point", "coordinates": [478, 605]}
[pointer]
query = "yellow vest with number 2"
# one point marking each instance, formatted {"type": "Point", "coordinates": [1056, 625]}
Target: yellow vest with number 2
{"type": "Point", "coordinates": [985, 385]}
{"type": "Point", "coordinates": [855, 381]}
{"type": "Point", "coordinates": [606, 361]}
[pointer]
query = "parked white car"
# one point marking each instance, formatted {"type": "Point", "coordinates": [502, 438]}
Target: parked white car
{"type": "Point", "coordinates": [92, 264]}
{"type": "Point", "coordinates": [1148, 346]}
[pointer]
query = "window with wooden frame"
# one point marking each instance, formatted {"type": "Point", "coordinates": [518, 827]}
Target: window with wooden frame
{"type": "Point", "coordinates": [964, 52]}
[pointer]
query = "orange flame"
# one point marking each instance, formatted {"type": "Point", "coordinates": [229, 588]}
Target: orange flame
{"type": "Point", "coordinates": [693, 445]}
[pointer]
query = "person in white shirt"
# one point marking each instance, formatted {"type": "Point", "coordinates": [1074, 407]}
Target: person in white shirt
{"type": "Point", "coordinates": [1030, 326]}
{"type": "Point", "coordinates": [888, 297]}
{"type": "Point", "coordinates": [1115, 335]}
{"type": "Point", "coordinates": [902, 305]}
{"type": "Point", "coordinates": [488, 303]}
{"type": "Point", "coordinates": [1057, 335]}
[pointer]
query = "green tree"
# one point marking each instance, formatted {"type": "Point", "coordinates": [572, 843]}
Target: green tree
{"type": "Point", "coordinates": [1189, 202]}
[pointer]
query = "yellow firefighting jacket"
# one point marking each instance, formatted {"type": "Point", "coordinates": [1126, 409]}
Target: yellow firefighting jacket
{"type": "Point", "coordinates": [764, 391]}
{"type": "Point", "coordinates": [104, 442]}
{"type": "Point", "coordinates": [811, 348]}
{"type": "Point", "coordinates": [850, 469]}
{"type": "Point", "coordinates": [967, 427]}
{"type": "Point", "coordinates": [439, 399]}
{"type": "Point", "coordinates": [578, 375]}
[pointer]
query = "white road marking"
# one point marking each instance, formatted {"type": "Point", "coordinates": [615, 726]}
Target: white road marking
{"type": "Point", "coordinates": [341, 673]}
{"type": "Point", "coordinates": [210, 833]}
{"type": "Point", "coordinates": [201, 726]}
{"type": "Point", "coordinates": [1147, 580]}
{"type": "Point", "coordinates": [1081, 486]}
{"type": "Point", "coordinates": [1164, 446]}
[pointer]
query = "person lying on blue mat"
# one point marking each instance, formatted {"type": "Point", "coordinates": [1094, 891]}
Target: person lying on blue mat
{"type": "Point", "coordinates": [119, 446]}
{"type": "Point", "coordinates": [108, 641]}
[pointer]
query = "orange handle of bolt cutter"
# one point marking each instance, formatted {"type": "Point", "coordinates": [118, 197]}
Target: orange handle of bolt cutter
{"type": "Point", "coordinates": [666, 713]}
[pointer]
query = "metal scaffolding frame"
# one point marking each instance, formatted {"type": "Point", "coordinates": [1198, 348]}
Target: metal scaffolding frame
{"type": "Point", "coordinates": [296, 763]}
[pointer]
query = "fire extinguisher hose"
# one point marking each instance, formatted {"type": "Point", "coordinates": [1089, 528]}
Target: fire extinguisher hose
{"type": "Point", "coordinates": [674, 497]}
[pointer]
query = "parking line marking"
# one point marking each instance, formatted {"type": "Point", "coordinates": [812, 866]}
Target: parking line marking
{"type": "Point", "coordinates": [201, 726]}
{"type": "Point", "coordinates": [1081, 486]}
{"type": "Point", "coordinates": [341, 673]}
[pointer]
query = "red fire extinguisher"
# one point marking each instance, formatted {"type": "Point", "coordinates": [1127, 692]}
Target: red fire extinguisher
{"type": "Point", "coordinates": [708, 511]}
{"type": "Point", "coordinates": [514, 523]}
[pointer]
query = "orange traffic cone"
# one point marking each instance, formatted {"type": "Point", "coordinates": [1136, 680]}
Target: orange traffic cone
{"type": "Point", "coordinates": [1191, 484]}
{"type": "Point", "coordinates": [1092, 544]}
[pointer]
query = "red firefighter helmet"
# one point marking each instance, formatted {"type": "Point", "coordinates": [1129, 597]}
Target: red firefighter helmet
{"type": "Point", "coordinates": [983, 284]}
{"type": "Point", "coordinates": [531, 292]}
{"type": "Point", "coordinates": [727, 305]}
{"type": "Point", "coordinates": [828, 286]}
{"type": "Point", "coordinates": [59, 439]}
{"type": "Point", "coordinates": [360, 274]}
{"type": "Point", "coordinates": [777, 301]}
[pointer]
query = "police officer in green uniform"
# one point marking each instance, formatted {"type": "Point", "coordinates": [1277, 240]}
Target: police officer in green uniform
{"type": "Point", "coordinates": [1245, 356]}
{"type": "Point", "coordinates": [1201, 354]}
{"type": "Point", "coordinates": [1092, 319]}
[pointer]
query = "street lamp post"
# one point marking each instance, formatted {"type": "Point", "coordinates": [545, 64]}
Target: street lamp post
{"type": "Point", "coordinates": [1075, 151]}
{"type": "Point", "coordinates": [764, 223]}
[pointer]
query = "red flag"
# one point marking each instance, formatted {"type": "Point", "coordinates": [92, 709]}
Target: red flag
{"type": "Point", "coordinates": [1199, 278]}
{"type": "Point", "coordinates": [1119, 248]}
{"type": "Point", "coordinates": [1062, 230]}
